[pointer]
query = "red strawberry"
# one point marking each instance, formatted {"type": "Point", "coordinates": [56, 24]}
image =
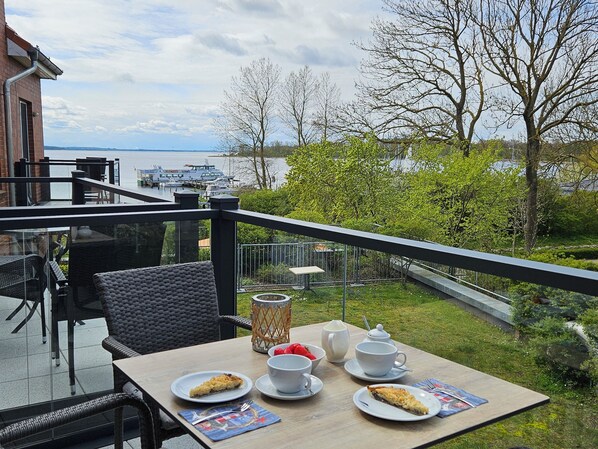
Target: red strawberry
{"type": "Point", "coordinates": [302, 350]}
{"type": "Point", "coordinates": [290, 349]}
{"type": "Point", "coordinates": [279, 351]}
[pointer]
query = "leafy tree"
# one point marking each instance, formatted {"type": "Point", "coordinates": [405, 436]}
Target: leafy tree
{"type": "Point", "coordinates": [342, 181]}
{"type": "Point", "coordinates": [545, 53]}
{"type": "Point", "coordinates": [457, 200]}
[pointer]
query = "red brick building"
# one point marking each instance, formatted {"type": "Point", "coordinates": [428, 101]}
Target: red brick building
{"type": "Point", "coordinates": [22, 67]}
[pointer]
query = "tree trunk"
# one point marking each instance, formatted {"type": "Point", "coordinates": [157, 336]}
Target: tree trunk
{"type": "Point", "coordinates": [531, 176]}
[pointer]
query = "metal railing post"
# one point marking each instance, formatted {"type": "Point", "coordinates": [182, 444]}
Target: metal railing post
{"type": "Point", "coordinates": [20, 170]}
{"type": "Point", "coordinates": [78, 189]}
{"type": "Point", "coordinates": [223, 244]}
{"type": "Point", "coordinates": [44, 171]}
{"type": "Point", "coordinates": [188, 231]}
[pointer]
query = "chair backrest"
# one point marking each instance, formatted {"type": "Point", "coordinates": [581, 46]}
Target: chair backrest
{"type": "Point", "coordinates": [121, 247]}
{"type": "Point", "coordinates": [159, 308]}
{"type": "Point", "coordinates": [94, 167]}
{"type": "Point", "coordinates": [22, 277]}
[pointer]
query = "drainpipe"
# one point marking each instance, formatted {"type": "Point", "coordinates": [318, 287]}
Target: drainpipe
{"type": "Point", "coordinates": [33, 55]}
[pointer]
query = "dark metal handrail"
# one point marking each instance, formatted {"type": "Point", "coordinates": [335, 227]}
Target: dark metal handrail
{"type": "Point", "coordinates": [572, 279]}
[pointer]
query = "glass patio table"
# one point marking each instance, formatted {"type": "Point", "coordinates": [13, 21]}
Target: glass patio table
{"type": "Point", "coordinates": [329, 418]}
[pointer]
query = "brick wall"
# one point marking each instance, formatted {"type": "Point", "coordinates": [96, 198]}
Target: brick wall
{"type": "Point", "coordinates": [27, 89]}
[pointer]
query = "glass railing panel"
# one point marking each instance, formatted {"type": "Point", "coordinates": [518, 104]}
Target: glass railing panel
{"type": "Point", "coordinates": [37, 376]}
{"type": "Point", "coordinates": [25, 360]}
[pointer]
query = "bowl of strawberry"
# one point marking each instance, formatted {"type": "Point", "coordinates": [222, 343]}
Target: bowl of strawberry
{"type": "Point", "coordinates": [312, 352]}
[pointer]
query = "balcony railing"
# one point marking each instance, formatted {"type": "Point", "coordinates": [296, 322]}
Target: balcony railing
{"type": "Point", "coordinates": [223, 216]}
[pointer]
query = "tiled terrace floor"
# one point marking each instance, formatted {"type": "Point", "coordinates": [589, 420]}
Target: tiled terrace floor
{"type": "Point", "coordinates": [28, 375]}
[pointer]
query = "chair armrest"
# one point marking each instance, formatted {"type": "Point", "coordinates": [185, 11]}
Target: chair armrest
{"type": "Point", "coordinates": [117, 349]}
{"type": "Point", "coordinates": [57, 273]}
{"type": "Point", "coordinates": [76, 412]}
{"type": "Point", "coordinates": [238, 321]}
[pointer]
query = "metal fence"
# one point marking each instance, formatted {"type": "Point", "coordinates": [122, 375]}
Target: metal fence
{"type": "Point", "coordinates": [268, 265]}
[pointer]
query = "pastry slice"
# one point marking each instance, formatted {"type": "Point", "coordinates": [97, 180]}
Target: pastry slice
{"type": "Point", "coordinates": [215, 384]}
{"type": "Point", "coordinates": [399, 397]}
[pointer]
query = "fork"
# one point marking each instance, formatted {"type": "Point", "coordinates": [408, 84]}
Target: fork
{"type": "Point", "coordinates": [456, 396]}
{"type": "Point", "coordinates": [240, 408]}
{"type": "Point", "coordinates": [433, 388]}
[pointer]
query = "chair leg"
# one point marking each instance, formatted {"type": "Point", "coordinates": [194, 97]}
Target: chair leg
{"type": "Point", "coordinates": [26, 319]}
{"type": "Point", "coordinates": [118, 428]}
{"type": "Point", "coordinates": [55, 342]}
{"type": "Point", "coordinates": [55, 339]}
{"type": "Point", "coordinates": [71, 351]}
{"type": "Point", "coordinates": [17, 310]}
{"type": "Point", "coordinates": [42, 311]}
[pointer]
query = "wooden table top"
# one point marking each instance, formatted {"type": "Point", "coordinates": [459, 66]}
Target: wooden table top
{"type": "Point", "coordinates": [328, 419]}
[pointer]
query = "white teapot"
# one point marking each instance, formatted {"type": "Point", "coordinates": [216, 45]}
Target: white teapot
{"type": "Point", "coordinates": [379, 334]}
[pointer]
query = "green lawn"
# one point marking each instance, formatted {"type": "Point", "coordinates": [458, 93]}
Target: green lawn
{"type": "Point", "coordinates": [423, 320]}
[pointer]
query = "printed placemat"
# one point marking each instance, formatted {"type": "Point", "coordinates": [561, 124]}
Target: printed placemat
{"type": "Point", "coordinates": [228, 425]}
{"type": "Point", "coordinates": [448, 395]}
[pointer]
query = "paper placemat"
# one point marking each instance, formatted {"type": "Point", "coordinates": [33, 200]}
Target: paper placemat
{"type": "Point", "coordinates": [449, 404]}
{"type": "Point", "coordinates": [226, 426]}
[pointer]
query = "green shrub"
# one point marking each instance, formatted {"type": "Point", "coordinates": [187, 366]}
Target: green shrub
{"type": "Point", "coordinates": [575, 214]}
{"type": "Point", "coordinates": [559, 257]}
{"type": "Point", "coordinates": [273, 202]}
{"type": "Point", "coordinates": [581, 253]}
{"type": "Point", "coordinates": [247, 233]}
{"type": "Point", "coordinates": [541, 312]}
{"type": "Point", "coordinates": [274, 274]}
{"type": "Point", "coordinates": [559, 350]}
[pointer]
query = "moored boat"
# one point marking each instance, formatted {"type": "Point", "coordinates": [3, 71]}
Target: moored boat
{"type": "Point", "coordinates": [157, 175]}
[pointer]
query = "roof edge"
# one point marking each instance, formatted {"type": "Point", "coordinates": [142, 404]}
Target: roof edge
{"type": "Point", "coordinates": [51, 69]}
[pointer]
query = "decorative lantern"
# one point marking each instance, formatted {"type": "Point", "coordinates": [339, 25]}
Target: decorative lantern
{"type": "Point", "coordinates": [271, 320]}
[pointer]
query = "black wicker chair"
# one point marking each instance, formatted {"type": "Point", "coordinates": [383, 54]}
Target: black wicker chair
{"type": "Point", "coordinates": [48, 421]}
{"type": "Point", "coordinates": [156, 309]}
{"type": "Point", "coordinates": [109, 248]}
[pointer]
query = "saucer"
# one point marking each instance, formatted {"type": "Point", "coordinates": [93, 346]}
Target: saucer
{"type": "Point", "coordinates": [264, 385]}
{"type": "Point", "coordinates": [353, 368]}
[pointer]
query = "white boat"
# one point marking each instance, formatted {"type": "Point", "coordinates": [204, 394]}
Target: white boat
{"type": "Point", "coordinates": [191, 173]}
{"type": "Point", "coordinates": [220, 186]}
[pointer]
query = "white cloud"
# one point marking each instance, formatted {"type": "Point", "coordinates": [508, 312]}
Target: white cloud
{"type": "Point", "coordinates": [158, 66]}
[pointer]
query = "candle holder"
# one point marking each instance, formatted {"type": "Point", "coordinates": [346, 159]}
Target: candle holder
{"type": "Point", "coordinates": [270, 320]}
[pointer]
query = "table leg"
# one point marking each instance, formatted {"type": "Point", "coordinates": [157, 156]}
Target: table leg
{"type": "Point", "coordinates": [306, 282]}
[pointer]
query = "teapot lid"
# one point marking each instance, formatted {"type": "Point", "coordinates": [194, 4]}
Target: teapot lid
{"type": "Point", "coordinates": [379, 332]}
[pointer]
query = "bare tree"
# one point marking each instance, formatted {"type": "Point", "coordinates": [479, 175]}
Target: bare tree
{"type": "Point", "coordinates": [298, 96]}
{"type": "Point", "coordinates": [328, 100]}
{"type": "Point", "coordinates": [422, 75]}
{"type": "Point", "coordinates": [247, 113]}
{"type": "Point", "coordinates": [545, 52]}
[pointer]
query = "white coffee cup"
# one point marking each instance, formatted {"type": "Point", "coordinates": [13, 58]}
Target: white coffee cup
{"type": "Point", "coordinates": [290, 373]}
{"type": "Point", "coordinates": [377, 358]}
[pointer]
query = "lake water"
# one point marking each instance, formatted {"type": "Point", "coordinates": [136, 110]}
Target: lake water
{"type": "Point", "coordinates": [130, 161]}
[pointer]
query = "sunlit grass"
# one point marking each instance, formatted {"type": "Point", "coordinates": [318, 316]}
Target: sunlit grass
{"type": "Point", "coordinates": [419, 318]}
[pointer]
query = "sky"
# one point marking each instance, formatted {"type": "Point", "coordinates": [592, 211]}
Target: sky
{"type": "Point", "coordinates": [151, 73]}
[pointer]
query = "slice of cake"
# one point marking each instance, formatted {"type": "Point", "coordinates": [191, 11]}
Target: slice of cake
{"type": "Point", "coordinates": [215, 384]}
{"type": "Point", "coordinates": [399, 397]}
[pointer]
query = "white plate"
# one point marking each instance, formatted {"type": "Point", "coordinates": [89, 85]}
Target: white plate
{"type": "Point", "coordinates": [353, 368]}
{"type": "Point", "coordinates": [183, 385]}
{"type": "Point", "coordinates": [385, 411]}
{"type": "Point", "coordinates": [264, 385]}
